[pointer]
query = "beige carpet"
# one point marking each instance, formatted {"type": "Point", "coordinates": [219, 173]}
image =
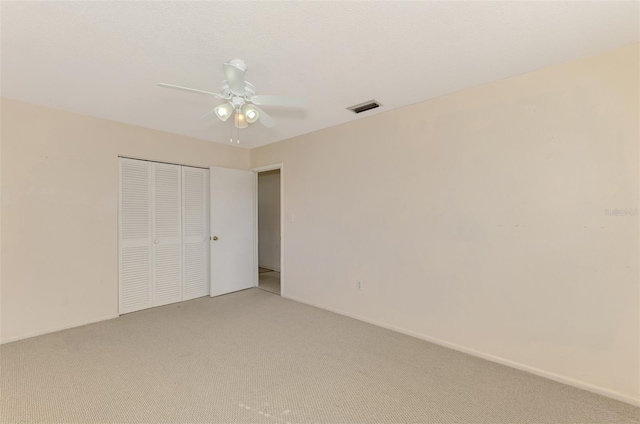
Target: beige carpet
{"type": "Point", "coordinates": [269, 281]}
{"type": "Point", "coordinates": [251, 357]}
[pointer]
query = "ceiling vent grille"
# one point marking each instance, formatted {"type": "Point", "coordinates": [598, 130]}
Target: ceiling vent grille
{"type": "Point", "coordinates": [363, 107]}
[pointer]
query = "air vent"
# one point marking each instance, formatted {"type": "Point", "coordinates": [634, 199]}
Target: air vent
{"type": "Point", "coordinates": [363, 107]}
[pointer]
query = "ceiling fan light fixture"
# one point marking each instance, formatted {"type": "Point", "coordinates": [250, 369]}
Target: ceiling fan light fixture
{"type": "Point", "coordinates": [240, 121]}
{"type": "Point", "coordinates": [251, 113]}
{"type": "Point", "coordinates": [224, 111]}
{"type": "Point", "coordinates": [241, 101]}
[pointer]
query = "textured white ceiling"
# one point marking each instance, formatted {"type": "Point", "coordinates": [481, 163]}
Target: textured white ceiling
{"type": "Point", "coordinates": [104, 58]}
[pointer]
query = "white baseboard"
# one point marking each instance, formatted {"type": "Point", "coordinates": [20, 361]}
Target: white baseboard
{"type": "Point", "coordinates": [53, 330]}
{"type": "Point", "coordinates": [539, 372]}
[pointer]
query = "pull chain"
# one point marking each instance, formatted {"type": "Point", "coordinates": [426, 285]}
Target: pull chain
{"type": "Point", "coordinates": [231, 130]}
{"type": "Point", "coordinates": [237, 112]}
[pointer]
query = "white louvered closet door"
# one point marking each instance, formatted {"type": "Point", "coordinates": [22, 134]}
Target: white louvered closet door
{"type": "Point", "coordinates": [167, 233]}
{"type": "Point", "coordinates": [195, 232]}
{"type": "Point", "coordinates": [135, 236]}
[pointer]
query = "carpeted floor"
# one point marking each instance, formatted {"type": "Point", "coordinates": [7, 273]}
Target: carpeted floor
{"type": "Point", "coordinates": [269, 281]}
{"type": "Point", "coordinates": [251, 357]}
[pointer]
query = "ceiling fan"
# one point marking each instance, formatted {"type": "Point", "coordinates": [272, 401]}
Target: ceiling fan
{"type": "Point", "coordinates": [241, 102]}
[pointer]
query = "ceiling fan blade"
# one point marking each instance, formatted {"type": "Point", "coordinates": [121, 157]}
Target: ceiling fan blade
{"type": "Point", "coordinates": [207, 116]}
{"type": "Point", "coordinates": [177, 87]}
{"type": "Point", "coordinates": [265, 119]}
{"type": "Point", "coordinates": [235, 78]}
{"type": "Point", "coordinates": [279, 101]}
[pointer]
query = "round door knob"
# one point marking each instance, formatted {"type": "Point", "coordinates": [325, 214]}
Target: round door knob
{"type": "Point", "coordinates": [214, 238]}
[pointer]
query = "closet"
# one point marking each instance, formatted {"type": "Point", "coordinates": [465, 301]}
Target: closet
{"type": "Point", "coordinates": [163, 234]}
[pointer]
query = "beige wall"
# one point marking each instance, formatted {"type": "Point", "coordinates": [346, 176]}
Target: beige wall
{"type": "Point", "coordinates": [478, 220]}
{"type": "Point", "coordinates": [269, 219]}
{"type": "Point", "coordinates": [59, 211]}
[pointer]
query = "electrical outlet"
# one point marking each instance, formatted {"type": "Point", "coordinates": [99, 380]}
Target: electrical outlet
{"type": "Point", "coordinates": [359, 285]}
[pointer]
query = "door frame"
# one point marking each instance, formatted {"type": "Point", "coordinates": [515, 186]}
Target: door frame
{"type": "Point", "coordinates": [257, 170]}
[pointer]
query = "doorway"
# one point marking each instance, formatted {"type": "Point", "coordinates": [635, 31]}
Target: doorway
{"type": "Point", "coordinates": [269, 231]}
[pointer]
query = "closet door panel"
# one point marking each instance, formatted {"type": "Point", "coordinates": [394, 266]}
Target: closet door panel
{"type": "Point", "coordinates": [167, 233]}
{"type": "Point", "coordinates": [134, 236]}
{"type": "Point", "coordinates": [195, 205]}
